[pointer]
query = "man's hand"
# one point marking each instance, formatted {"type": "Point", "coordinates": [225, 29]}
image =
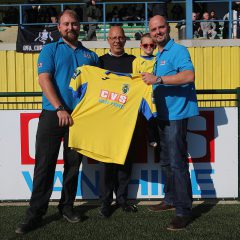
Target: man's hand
{"type": "Point", "coordinates": [149, 78]}
{"type": "Point", "coordinates": [64, 118]}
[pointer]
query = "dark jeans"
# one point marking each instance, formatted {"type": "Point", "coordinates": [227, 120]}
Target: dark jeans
{"type": "Point", "coordinates": [48, 141]}
{"type": "Point", "coordinates": [173, 160]}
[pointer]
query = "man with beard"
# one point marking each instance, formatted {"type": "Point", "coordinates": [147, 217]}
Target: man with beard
{"type": "Point", "coordinates": [176, 102]}
{"type": "Point", "coordinates": [56, 64]}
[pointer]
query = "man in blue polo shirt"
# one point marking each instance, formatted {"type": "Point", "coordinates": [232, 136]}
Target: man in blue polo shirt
{"type": "Point", "coordinates": [176, 102]}
{"type": "Point", "coordinates": [56, 64]}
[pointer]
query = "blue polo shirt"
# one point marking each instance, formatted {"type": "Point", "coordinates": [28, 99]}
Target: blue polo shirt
{"type": "Point", "coordinates": [174, 102]}
{"type": "Point", "coordinates": [60, 60]}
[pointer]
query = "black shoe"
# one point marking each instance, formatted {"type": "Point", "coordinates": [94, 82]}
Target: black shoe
{"type": "Point", "coordinates": [28, 225]}
{"type": "Point", "coordinates": [179, 223]}
{"type": "Point", "coordinates": [70, 215]}
{"type": "Point", "coordinates": [105, 211]}
{"type": "Point", "coordinates": [127, 207]}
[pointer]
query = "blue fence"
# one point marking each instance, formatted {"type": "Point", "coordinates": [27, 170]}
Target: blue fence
{"type": "Point", "coordinates": [188, 4]}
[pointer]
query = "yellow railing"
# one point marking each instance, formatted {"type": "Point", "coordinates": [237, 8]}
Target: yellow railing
{"type": "Point", "coordinates": [215, 68]}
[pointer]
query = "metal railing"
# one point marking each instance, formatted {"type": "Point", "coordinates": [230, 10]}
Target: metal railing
{"type": "Point", "coordinates": [104, 5]}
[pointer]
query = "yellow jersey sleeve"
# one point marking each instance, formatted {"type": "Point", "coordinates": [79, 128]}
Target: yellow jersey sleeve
{"type": "Point", "coordinates": [136, 65]}
{"type": "Point", "coordinates": [148, 106]}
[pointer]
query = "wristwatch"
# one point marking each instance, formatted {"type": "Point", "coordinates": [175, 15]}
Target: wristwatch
{"type": "Point", "coordinates": [60, 108]}
{"type": "Point", "coordinates": [159, 80]}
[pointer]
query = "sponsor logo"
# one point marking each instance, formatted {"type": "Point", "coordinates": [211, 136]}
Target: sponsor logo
{"type": "Point", "coordinates": [112, 96]}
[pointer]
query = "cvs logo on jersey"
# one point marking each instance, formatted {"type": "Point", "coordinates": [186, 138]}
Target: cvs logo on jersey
{"type": "Point", "coordinates": [117, 97]}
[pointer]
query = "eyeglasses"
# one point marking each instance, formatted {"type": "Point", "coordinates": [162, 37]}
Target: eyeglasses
{"type": "Point", "coordinates": [121, 39]}
{"type": "Point", "coordinates": [145, 45]}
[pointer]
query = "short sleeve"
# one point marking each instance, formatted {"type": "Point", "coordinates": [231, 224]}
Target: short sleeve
{"type": "Point", "coordinates": [78, 84]}
{"type": "Point", "coordinates": [135, 67]}
{"type": "Point", "coordinates": [76, 80]}
{"type": "Point", "coordinates": [148, 107]}
{"type": "Point", "coordinates": [96, 60]}
{"type": "Point", "coordinates": [182, 60]}
{"type": "Point", "coordinates": [46, 60]}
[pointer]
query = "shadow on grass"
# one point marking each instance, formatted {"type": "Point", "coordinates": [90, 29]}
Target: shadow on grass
{"type": "Point", "coordinates": [51, 218]}
{"type": "Point", "coordinates": [84, 208]}
{"type": "Point", "coordinates": [203, 208]}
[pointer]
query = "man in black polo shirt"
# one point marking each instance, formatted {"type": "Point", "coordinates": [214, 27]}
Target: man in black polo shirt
{"type": "Point", "coordinates": [116, 177]}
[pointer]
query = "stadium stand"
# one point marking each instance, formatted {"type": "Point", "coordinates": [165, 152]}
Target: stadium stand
{"type": "Point", "coordinates": [216, 61]}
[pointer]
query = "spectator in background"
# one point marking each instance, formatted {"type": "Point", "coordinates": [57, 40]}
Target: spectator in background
{"type": "Point", "coordinates": [208, 28]}
{"type": "Point", "coordinates": [213, 16]}
{"type": "Point", "coordinates": [235, 23]}
{"type": "Point", "coordinates": [93, 15]}
{"type": "Point", "coordinates": [196, 26]}
{"type": "Point", "coordinates": [198, 16]}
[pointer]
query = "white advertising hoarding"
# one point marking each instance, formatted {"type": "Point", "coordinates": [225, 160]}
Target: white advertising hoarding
{"type": "Point", "coordinates": [212, 146]}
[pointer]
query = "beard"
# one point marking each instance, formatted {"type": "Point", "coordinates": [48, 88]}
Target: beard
{"type": "Point", "coordinates": [162, 41]}
{"type": "Point", "coordinates": [71, 36]}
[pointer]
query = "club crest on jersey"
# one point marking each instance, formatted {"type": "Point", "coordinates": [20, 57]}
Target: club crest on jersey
{"type": "Point", "coordinates": [125, 88]}
{"type": "Point", "coordinates": [76, 73]}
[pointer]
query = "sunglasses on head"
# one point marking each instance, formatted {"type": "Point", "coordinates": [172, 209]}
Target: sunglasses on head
{"type": "Point", "coordinates": [145, 45]}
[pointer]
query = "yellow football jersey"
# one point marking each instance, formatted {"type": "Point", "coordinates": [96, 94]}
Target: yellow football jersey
{"type": "Point", "coordinates": [141, 64]}
{"type": "Point", "coordinates": [105, 117]}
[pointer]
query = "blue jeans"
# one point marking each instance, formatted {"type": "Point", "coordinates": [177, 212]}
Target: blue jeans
{"type": "Point", "coordinates": [173, 160]}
